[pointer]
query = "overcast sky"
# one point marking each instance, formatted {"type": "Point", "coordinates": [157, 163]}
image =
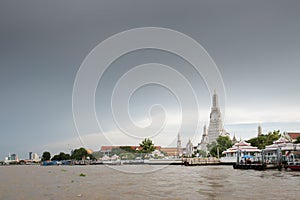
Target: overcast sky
{"type": "Point", "coordinates": [255, 45]}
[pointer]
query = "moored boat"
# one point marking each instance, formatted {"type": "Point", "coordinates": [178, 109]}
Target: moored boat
{"type": "Point", "coordinates": [293, 161]}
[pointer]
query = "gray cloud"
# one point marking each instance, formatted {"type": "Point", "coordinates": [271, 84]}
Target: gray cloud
{"type": "Point", "coordinates": [254, 43]}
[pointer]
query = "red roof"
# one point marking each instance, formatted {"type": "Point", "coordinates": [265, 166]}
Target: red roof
{"type": "Point", "coordinates": [106, 148]}
{"type": "Point", "coordinates": [294, 135]}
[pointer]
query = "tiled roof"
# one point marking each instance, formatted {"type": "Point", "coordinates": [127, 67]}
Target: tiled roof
{"type": "Point", "coordinates": [106, 148]}
{"type": "Point", "coordinates": [242, 143]}
{"type": "Point", "coordinates": [294, 135]}
{"type": "Point", "coordinates": [281, 140]}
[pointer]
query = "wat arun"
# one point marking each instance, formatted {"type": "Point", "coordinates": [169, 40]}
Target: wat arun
{"type": "Point", "coordinates": [215, 128]}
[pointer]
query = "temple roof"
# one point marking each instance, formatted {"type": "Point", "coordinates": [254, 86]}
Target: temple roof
{"type": "Point", "coordinates": [242, 143]}
{"type": "Point", "coordinates": [242, 146]}
{"type": "Point", "coordinates": [281, 140]}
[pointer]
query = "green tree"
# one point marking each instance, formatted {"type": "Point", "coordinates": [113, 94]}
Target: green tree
{"type": "Point", "coordinates": [116, 151]}
{"type": "Point", "coordinates": [224, 143]}
{"type": "Point", "coordinates": [92, 157]}
{"type": "Point", "coordinates": [212, 148]}
{"type": "Point", "coordinates": [128, 149]}
{"type": "Point", "coordinates": [46, 156]}
{"type": "Point", "coordinates": [61, 156]}
{"type": "Point", "coordinates": [202, 153]}
{"type": "Point", "coordinates": [147, 146]}
{"type": "Point", "coordinates": [79, 154]}
{"type": "Point", "coordinates": [221, 145]}
{"type": "Point", "coordinates": [264, 140]}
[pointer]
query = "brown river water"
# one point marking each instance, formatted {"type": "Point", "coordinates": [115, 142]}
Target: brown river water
{"type": "Point", "coordinates": [171, 182]}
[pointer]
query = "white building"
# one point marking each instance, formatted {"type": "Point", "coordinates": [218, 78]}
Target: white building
{"type": "Point", "coordinates": [230, 155]}
{"type": "Point", "coordinates": [284, 144]}
{"type": "Point", "coordinates": [36, 157]}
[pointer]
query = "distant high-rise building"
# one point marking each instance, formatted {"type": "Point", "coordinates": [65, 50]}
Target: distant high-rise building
{"type": "Point", "coordinates": [35, 157]}
{"type": "Point", "coordinates": [30, 156]}
{"type": "Point", "coordinates": [215, 128]}
{"type": "Point", "coordinates": [14, 157]}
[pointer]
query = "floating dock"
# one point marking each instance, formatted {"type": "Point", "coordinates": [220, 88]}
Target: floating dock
{"type": "Point", "coordinates": [268, 159]}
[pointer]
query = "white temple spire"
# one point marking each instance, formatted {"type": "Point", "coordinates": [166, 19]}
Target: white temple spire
{"type": "Point", "coordinates": [215, 128]}
{"type": "Point", "coordinates": [259, 131]}
{"type": "Point", "coordinates": [215, 100]}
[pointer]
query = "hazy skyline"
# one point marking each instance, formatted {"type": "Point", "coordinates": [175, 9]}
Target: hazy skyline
{"type": "Point", "coordinates": [255, 45]}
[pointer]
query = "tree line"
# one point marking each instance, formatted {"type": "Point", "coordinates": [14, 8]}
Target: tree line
{"type": "Point", "coordinates": [77, 154]}
{"type": "Point", "coordinates": [146, 146]}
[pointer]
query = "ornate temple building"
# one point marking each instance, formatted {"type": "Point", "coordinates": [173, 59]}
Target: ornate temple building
{"type": "Point", "coordinates": [215, 128]}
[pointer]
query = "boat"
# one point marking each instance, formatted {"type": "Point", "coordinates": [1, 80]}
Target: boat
{"type": "Point", "coordinates": [293, 161]}
{"type": "Point", "coordinates": [49, 163]}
